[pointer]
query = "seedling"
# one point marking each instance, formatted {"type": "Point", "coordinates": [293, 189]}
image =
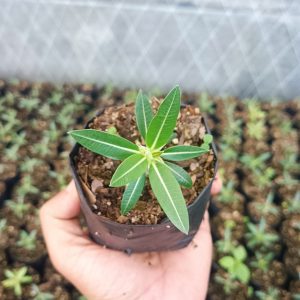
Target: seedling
{"type": "Point", "coordinates": [26, 187]}
{"type": "Point", "coordinates": [19, 207]}
{"type": "Point", "coordinates": [255, 163]}
{"type": "Point", "coordinates": [256, 129]}
{"type": "Point", "coordinates": [130, 96]}
{"type": "Point", "coordinates": [27, 240]}
{"type": "Point", "coordinates": [29, 104]}
{"type": "Point", "coordinates": [29, 164]}
{"type": "Point", "coordinates": [262, 261]}
{"type": "Point", "coordinates": [226, 245]}
{"type": "Point", "coordinates": [150, 158]}
{"type": "Point", "coordinates": [37, 294]}
{"type": "Point", "coordinates": [264, 177]}
{"type": "Point", "coordinates": [15, 279]}
{"type": "Point", "coordinates": [254, 111]}
{"type": "Point", "coordinates": [205, 104]}
{"type": "Point", "coordinates": [271, 293]}
{"type": "Point", "coordinates": [228, 152]}
{"type": "Point", "coordinates": [227, 194]}
{"type": "Point", "coordinates": [268, 207]}
{"type": "Point", "coordinates": [257, 236]}
{"type": "Point", "coordinates": [3, 225]}
{"type": "Point", "coordinates": [290, 161]}
{"type": "Point", "coordinates": [235, 266]}
{"type": "Point", "coordinates": [293, 206]}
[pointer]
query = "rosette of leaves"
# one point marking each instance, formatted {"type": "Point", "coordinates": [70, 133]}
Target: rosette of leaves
{"type": "Point", "coordinates": [235, 266]}
{"type": "Point", "coordinates": [149, 158]}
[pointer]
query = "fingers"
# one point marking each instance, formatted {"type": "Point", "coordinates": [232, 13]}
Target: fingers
{"type": "Point", "coordinates": [217, 185]}
{"type": "Point", "coordinates": [63, 206]}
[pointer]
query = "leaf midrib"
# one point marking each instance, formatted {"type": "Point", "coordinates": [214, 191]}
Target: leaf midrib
{"type": "Point", "coordinates": [132, 193]}
{"type": "Point", "coordinates": [166, 117]}
{"type": "Point", "coordinates": [174, 171]}
{"type": "Point", "coordinates": [179, 153]}
{"type": "Point", "coordinates": [167, 191]}
{"type": "Point", "coordinates": [133, 167]}
{"type": "Point", "coordinates": [108, 144]}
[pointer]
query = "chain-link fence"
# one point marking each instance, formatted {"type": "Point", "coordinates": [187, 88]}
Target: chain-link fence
{"type": "Point", "coordinates": [239, 48]}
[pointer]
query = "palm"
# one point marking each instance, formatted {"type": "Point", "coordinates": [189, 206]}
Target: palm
{"type": "Point", "coordinates": [106, 274]}
{"type": "Point", "coordinates": [165, 275]}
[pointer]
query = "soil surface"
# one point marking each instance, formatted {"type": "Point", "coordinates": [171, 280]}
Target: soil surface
{"type": "Point", "coordinates": [96, 170]}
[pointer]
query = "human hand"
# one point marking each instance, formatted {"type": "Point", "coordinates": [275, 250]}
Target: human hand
{"type": "Point", "coordinates": [102, 274]}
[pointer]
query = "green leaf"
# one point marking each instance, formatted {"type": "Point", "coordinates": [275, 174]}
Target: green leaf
{"type": "Point", "coordinates": [143, 112]}
{"type": "Point", "coordinates": [179, 153]}
{"type": "Point", "coordinates": [169, 195]}
{"type": "Point", "coordinates": [129, 170]}
{"type": "Point", "coordinates": [105, 144]}
{"type": "Point", "coordinates": [163, 123]}
{"type": "Point", "coordinates": [132, 194]}
{"type": "Point", "coordinates": [227, 262]}
{"type": "Point", "coordinates": [242, 273]}
{"type": "Point", "coordinates": [240, 253]}
{"type": "Point", "coordinates": [180, 174]}
{"type": "Point", "coordinates": [208, 138]}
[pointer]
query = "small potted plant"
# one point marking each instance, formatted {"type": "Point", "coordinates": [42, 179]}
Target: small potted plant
{"type": "Point", "coordinates": [147, 144]}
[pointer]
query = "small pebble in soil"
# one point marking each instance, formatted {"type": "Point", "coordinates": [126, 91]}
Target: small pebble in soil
{"type": "Point", "coordinates": [168, 226]}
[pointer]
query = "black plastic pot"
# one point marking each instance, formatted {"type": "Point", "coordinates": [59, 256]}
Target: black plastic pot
{"type": "Point", "coordinates": [141, 238]}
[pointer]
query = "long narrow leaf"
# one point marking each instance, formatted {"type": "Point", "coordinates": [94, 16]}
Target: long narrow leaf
{"type": "Point", "coordinates": [180, 174]}
{"type": "Point", "coordinates": [129, 170]}
{"type": "Point", "coordinates": [103, 143]}
{"type": "Point", "coordinates": [179, 153]}
{"type": "Point", "coordinates": [132, 194]}
{"type": "Point", "coordinates": [143, 113]}
{"type": "Point", "coordinates": [163, 123]}
{"type": "Point", "coordinates": [169, 195]}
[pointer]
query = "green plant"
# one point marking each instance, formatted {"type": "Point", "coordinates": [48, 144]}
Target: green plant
{"type": "Point", "coordinates": [289, 163]}
{"type": "Point", "coordinates": [271, 293]}
{"type": "Point", "coordinates": [37, 294]}
{"type": "Point", "coordinates": [27, 240]}
{"type": "Point", "coordinates": [19, 207]}
{"type": "Point", "coordinates": [226, 245]}
{"type": "Point", "coordinates": [29, 104]}
{"type": "Point", "coordinates": [255, 113]}
{"type": "Point", "coordinates": [235, 266]}
{"type": "Point", "coordinates": [255, 163]}
{"type": "Point", "coordinates": [130, 96]}
{"type": "Point", "coordinates": [258, 236]}
{"type": "Point", "coordinates": [256, 129]}
{"type": "Point", "coordinates": [227, 194]}
{"type": "Point", "coordinates": [262, 261]}
{"type": "Point", "coordinates": [294, 205]}
{"type": "Point", "coordinates": [228, 152]}
{"type": "Point", "coordinates": [29, 164]}
{"type": "Point", "coordinates": [205, 104]}
{"type": "Point", "coordinates": [264, 178]}
{"type": "Point", "coordinates": [26, 186]}
{"type": "Point", "coordinates": [3, 225]}
{"type": "Point", "coordinates": [15, 279]}
{"type": "Point", "coordinates": [268, 207]}
{"type": "Point", "coordinates": [149, 159]}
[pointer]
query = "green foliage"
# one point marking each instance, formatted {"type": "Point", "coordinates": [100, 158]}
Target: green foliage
{"type": "Point", "coordinates": [256, 130]}
{"type": "Point", "coordinates": [27, 240]}
{"type": "Point", "coordinates": [3, 225]}
{"type": "Point", "coordinates": [227, 194]}
{"type": "Point", "coordinates": [226, 245]}
{"type": "Point", "coordinates": [255, 163]}
{"type": "Point", "coordinates": [18, 207]}
{"type": "Point", "coordinates": [262, 261]}
{"type": "Point", "coordinates": [258, 237]}
{"type": "Point", "coordinates": [205, 104]}
{"type": "Point", "coordinates": [271, 293]}
{"type": "Point", "coordinates": [268, 207]}
{"type": "Point", "coordinates": [139, 160]}
{"type": "Point", "coordinates": [15, 279]}
{"type": "Point", "coordinates": [234, 264]}
{"type": "Point", "coordinates": [132, 194]}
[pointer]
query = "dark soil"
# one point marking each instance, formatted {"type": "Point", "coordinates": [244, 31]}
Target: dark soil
{"type": "Point", "coordinates": [96, 170]}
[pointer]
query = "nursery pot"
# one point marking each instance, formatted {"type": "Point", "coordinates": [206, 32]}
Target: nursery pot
{"type": "Point", "coordinates": [140, 238]}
